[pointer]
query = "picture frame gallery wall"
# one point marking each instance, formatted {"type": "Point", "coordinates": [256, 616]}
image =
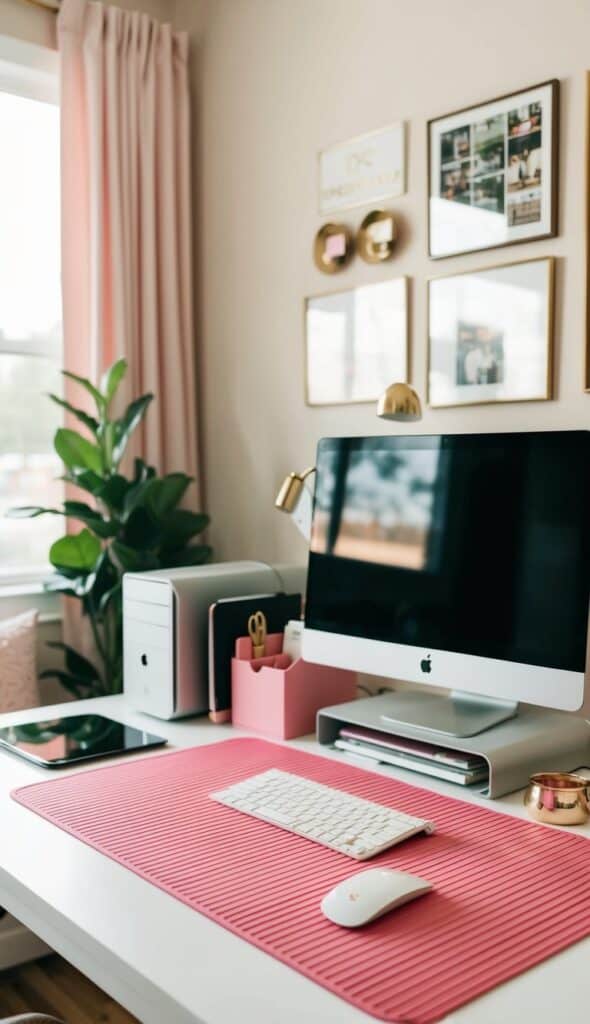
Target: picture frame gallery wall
{"type": "Point", "coordinates": [492, 183]}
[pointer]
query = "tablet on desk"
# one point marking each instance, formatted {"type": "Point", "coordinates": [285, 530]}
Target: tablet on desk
{"type": "Point", "coordinates": [60, 742]}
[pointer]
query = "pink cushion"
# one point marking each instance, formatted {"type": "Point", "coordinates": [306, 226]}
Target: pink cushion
{"type": "Point", "coordinates": [19, 686]}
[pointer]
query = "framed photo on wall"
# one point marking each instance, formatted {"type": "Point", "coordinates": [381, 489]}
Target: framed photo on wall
{"type": "Point", "coordinates": [492, 173]}
{"type": "Point", "coordinates": [356, 342]}
{"type": "Point", "coordinates": [490, 335]}
{"type": "Point", "coordinates": [363, 170]}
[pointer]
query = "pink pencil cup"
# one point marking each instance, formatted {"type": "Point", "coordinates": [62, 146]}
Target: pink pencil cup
{"type": "Point", "coordinates": [282, 702]}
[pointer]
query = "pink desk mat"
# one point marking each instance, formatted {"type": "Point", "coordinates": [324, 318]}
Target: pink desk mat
{"type": "Point", "coordinates": [503, 901]}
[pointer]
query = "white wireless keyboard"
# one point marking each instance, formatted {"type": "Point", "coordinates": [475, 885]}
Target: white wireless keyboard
{"type": "Point", "coordinates": [346, 823]}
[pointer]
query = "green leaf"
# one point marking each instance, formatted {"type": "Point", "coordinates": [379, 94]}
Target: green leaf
{"type": "Point", "coordinates": [179, 526]}
{"type": "Point", "coordinates": [141, 471]}
{"type": "Point", "coordinates": [76, 451]}
{"type": "Point", "coordinates": [75, 551]}
{"type": "Point", "coordinates": [106, 437]}
{"type": "Point", "coordinates": [76, 663]}
{"type": "Point", "coordinates": [144, 478]}
{"type": "Point", "coordinates": [71, 574]}
{"type": "Point", "coordinates": [114, 594]}
{"type": "Point", "coordinates": [124, 427]}
{"type": "Point", "coordinates": [80, 508]}
{"type": "Point", "coordinates": [71, 587]}
{"type": "Point", "coordinates": [132, 560]}
{"type": "Point", "coordinates": [74, 509]}
{"type": "Point", "coordinates": [137, 495]}
{"type": "Point", "coordinates": [85, 479]}
{"type": "Point", "coordinates": [88, 421]}
{"type": "Point", "coordinates": [101, 527]}
{"type": "Point", "coordinates": [103, 579]}
{"type": "Point", "coordinates": [166, 492]}
{"type": "Point", "coordinates": [141, 529]}
{"type": "Point", "coordinates": [113, 492]}
{"type": "Point", "coordinates": [89, 387]}
{"type": "Point", "coordinates": [196, 554]}
{"type": "Point", "coordinates": [29, 512]}
{"type": "Point", "coordinates": [111, 378]}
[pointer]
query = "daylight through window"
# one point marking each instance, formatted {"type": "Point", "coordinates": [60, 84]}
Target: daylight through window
{"type": "Point", "coordinates": [30, 329]}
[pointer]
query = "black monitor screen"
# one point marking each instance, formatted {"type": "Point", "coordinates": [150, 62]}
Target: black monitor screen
{"type": "Point", "coordinates": [478, 544]}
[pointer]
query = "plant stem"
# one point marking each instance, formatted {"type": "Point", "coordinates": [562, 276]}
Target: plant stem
{"type": "Point", "coordinates": [98, 640]}
{"type": "Point", "coordinates": [111, 646]}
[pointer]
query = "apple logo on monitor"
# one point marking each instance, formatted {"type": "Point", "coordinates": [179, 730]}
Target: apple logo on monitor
{"type": "Point", "coordinates": [425, 664]}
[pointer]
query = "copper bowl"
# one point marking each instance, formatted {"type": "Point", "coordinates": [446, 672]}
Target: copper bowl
{"type": "Point", "coordinates": [558, 798]}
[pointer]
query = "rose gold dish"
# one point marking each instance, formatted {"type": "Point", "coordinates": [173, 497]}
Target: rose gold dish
{"type": "Point", "coordinates": [558, 798]}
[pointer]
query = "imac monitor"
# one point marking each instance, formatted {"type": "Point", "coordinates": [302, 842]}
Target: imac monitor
{"type": "Point", "coordinates": [458, 561]}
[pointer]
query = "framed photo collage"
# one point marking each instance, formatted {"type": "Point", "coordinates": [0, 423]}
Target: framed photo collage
{"type": "Point", "coordinates": [492, 182]}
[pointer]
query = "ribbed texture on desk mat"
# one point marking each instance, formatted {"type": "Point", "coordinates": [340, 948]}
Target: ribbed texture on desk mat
{"type": "Point", "coordinates": [508, 893]}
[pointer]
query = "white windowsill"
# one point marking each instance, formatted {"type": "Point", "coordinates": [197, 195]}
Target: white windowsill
{"type": "Point", "coordinates": [17, 597]}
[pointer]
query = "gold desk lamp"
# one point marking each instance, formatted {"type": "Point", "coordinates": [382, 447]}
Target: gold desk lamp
{"type": "Point", "coordinates": [399, 402]}
{"type": "Point", "coordinates": [297, 500]}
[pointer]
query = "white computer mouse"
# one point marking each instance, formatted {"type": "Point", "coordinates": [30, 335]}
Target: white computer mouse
{"type": "Point", "coordinates": [369, 894]}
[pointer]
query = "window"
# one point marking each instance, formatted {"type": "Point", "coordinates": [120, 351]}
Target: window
{"type": "Point", "coordinates": [30, 305]}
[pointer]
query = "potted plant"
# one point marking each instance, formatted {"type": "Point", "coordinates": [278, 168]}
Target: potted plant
{"type": "Point", "coordinates": [129, 523]}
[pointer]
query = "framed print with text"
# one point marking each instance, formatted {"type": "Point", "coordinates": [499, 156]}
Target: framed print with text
{"type": "Point", "coordinates": [363, 170]}
{"type": "Point", "coordinates": [492, 172]}
{"type": "Point", "coordinates": [490, 335]}
{"type": "Point", "coordinates": [356, 342]}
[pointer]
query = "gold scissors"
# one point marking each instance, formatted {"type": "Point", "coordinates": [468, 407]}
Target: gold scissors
{"type": "Point", "coordinates": [257, 633]}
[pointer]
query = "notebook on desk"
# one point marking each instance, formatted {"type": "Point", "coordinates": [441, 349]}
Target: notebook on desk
{"type": "Point", "coordinates": [228, 620]}
{"type": "Point", "coordinates": [456, 766]}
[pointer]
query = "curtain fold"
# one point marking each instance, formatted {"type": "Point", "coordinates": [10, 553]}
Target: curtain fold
{"type": "Point", "coordinates": [126, 217]}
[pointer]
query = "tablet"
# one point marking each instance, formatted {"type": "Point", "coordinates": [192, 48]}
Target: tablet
{"type": "Point", "coordinates": [60, 742]}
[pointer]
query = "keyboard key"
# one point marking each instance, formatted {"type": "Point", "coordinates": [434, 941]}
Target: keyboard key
{"type": "Point", "coordinates": [339, 820]}
{"type": "Point", "coordinates": [280, 817]}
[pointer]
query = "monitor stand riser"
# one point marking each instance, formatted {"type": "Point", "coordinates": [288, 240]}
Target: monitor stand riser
{"type": "Point", "coordinates": [534, 740]}
{"type": "Point", "coordinates": [460, 714]}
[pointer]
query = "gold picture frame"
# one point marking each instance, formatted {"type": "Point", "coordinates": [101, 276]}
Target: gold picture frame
{"type": "Point", "coordinates": [456, 186]}
{"type": "Point", "coordinates": [494, 351]}
{"type": "Point", "coordinates": [397, 367]}
{"type": "Point", "coordinates": [381, 191]}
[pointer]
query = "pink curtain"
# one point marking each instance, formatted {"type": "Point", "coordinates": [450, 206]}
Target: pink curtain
{"type": "Point", "coordinates": [126, 231]}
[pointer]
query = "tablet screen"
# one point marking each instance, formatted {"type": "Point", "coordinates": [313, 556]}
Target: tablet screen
{"type": "Point", "coordinates": [62, 741]}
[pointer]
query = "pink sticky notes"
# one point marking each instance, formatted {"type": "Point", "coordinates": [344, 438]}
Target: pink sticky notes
{"type": "Point", "coordinates": [335, 246]}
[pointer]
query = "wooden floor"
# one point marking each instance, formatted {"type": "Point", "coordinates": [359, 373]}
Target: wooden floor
{"type": "Point", "coordinates": [55, 987]}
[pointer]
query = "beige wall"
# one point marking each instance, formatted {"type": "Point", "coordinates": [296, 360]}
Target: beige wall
{"type": "Point", "coordinates": [278, 80]}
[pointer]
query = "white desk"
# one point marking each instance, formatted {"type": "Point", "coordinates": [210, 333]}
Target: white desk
{"type": "Point", "coordinates": [170, 965]}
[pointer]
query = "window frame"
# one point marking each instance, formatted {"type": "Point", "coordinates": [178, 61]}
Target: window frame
{"type": "Point", "coordinates": [31, 71]}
